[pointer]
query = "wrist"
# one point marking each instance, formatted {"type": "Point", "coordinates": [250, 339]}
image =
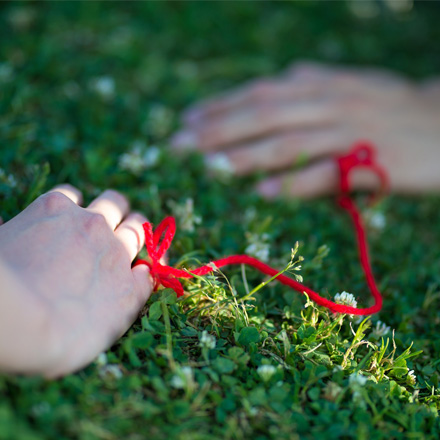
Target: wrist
{"type": "Point", "coordinates": [27, 337]}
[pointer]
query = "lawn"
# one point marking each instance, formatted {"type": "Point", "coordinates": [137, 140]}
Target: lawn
{"type": "Point", "coordinates": [84, 84]}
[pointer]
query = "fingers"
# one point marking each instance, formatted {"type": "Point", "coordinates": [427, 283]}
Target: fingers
{"type": "Point", "coordinates": [241, 126]}
{"type": "Point", "coordinates": [143, 283]}
{"type": "Point", "coordinates": [130, 233]}
{"type": "Point", "coordinates": [316, 180]}
{"type": "Point", "coordinates": [113, 206]}
{"type": "Point", "coordinates": [69, 191]}
{"type": "Point", "coordinates": [283, 150]}
{"type": "Point", "coordinates": [262, 90]}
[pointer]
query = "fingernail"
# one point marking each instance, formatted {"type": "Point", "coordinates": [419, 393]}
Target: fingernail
{"type": "Point", "coordinates": [184, 140]}
{"type": "Point", "coordinates": [270, 188]}
{"type": "Point", "coordinates": [193, 116]}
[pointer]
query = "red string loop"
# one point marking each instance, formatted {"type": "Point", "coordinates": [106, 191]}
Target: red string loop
{"type": "Point", "coordinates": [362, 155]}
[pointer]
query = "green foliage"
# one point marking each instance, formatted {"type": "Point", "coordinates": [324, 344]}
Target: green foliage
{"type": "Point", "coordinates": [81, 84]}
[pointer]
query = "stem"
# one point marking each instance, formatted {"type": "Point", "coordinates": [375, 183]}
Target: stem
{"type": "Point", "coordinates": [169, 338]}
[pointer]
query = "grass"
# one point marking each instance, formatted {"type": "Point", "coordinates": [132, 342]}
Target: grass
{"type": "Point", "coordinates": [83, 83]}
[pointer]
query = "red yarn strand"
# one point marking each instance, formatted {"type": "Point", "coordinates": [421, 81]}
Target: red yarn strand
{"type": "Point", "coordinates": [362, 155]}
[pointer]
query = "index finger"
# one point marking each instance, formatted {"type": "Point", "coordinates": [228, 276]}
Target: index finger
{"type": "Point", "coordinates": [69, 191]}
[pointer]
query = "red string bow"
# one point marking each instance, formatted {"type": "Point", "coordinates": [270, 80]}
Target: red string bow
{"type": "Point", "coordinates": [362, 155]}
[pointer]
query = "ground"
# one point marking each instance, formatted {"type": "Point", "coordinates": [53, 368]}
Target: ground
{"type": "Point", "coordinates": [84, 84]}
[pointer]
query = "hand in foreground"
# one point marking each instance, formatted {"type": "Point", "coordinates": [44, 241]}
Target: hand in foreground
{"type": "Point", "coordinates": [312, 112]}
{"type": "Point", "coordinates": [67, 290]}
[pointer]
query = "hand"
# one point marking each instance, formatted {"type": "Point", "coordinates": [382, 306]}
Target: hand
{"type": "Point", "coordinates": [67, 288]}
{"type": "Point", "coordinates": [313, 112]}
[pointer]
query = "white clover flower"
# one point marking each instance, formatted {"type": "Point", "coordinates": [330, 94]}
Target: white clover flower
{"type": "Point", "coordinates": [331, 391]}
{"type": "Point", "coordinates": [183, 378]}
{"type": "Point", "coordinates": [7, 179]}
{"type": "Point", "coordinates": [177, 382]}
{"type": "Point", "coordinates": [411, 378]}
{"type": "Point", "coordinates": [101, 359]}
{"type": "Point", "coordinates": [104, 86]}
{"type": "Point", "coordinates": [207, 341]}
{"type": "Point", "coordinates": [159, 121]}
{"type": "Point", "coordinates": [220, 165]}
{"type": "Point", "coordinates": [266, 372]}
{"type": "Point", "coordinates": [184, 213]}
{"type": "Point", "coordinates": [381, 329]}
{"type": "Point", "coordinates": [378, 220]}
{"type": "Point", "coordinates": [111, 371]}
{"type": "Point", "coordinates": [258, 246]}
{"type": "Point", "coordinates": [151, 156]}
{"type": "Point", "coordinates": [250, 215]}
{"type": "Point", "coordinates": [345, 298]}
{"type": "Point", "coordinates": [139, 158]}
{"type": "Point", "coordinates": [357, 380]}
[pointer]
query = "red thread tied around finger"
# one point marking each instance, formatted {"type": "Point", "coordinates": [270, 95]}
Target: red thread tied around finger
{"type": "Point", "coordinates": [362, 155]}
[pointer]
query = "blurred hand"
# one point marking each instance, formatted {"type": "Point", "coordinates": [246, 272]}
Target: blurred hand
{"type": "Point", "coordinates": [67, 290]}
{"type": "Point", "coordinates": [313, 112]}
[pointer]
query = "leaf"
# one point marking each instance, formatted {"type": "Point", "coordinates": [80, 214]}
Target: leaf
{"type": "Point", "coordinates": [155, 311]}
{"type": "Point", "coordinates": [223, 365]}
{"type": "Point", "coordinates": [168, 296]}
{"type": "Point", "coordinates": [248, 335]}
{"type": "Point", "coordinates": [142, 340]}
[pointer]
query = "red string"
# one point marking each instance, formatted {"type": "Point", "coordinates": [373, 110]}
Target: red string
{"type": "Point", "coordinates": [362, 155]}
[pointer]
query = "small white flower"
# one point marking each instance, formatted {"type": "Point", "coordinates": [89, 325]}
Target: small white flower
{"type": "Point", "coordinates": [250, 215]}
{"type": "Point", "coordinates": [101, 359]}
{"type": "Point", "coordinates": [411, 378]}
{"type": "Point", "coordinates": [111, 371]}
{"type": "Point", "coordinates": [357, 380]}
{"type": "Point", "coordinates": [346, 299]}
{"type": "Point", "coordinates": [207, 341]}
{"type": "Point", "coordinates": [381, 329]}
{"type": "Point", "coordinates": [253, 411]}
{"type": "Point", "coordinates": [139, 158]}
{"type": "Point", "coordinates": [331, 391]}
{"type": "Point", "coordinates": [151, 156]}
{"type": "Point", "coordinates": [184, 213]}
{"type": "Point", "coordinates": [7, 179]}
{"type": "Point", "coordinates": [159, 121]}
{"type": "Point", "coordinates": [266, 372]}
{"type": "Point", "coordinates": [258, 246]}
{"type": "Point", "coordinates": [183, 378]}
{"type": "Point", "coordinates": [104, 86]}
{"type": "Point", "coordinates": [378, 220]}
{"type": "Point", "coordinates": [220, 165]}
{"type": "Point", "coordinates": [177, 382]}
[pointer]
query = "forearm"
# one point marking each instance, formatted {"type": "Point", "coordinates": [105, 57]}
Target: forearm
{"type": "Point", "coordinates": [26, 336]}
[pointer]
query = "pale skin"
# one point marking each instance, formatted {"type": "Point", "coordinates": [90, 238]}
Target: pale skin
{"type": "Point", "coordinates": [315, 112]}
{"type": "Point", "coordinates": [68, 290]}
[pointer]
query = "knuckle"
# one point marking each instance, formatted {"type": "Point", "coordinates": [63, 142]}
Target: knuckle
{"type": "Point", "coordinates": [115, 195]}
{"type": "Point", "coordinates": [54, 202]}
{"type": "Point", "coordinates": [96, 224]}
{"type": "Point", "coordinates": [138, 217]}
